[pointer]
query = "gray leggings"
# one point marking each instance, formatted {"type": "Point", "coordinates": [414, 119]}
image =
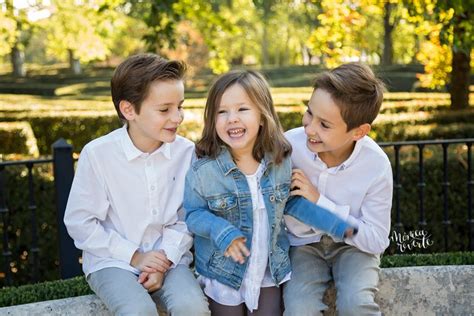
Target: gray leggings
{"type": "Point", "coordinates": [269, 304]}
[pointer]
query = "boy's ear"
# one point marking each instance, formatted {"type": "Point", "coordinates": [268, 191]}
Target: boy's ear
{"type": "Point", "coordinates": [361, 131]}
{"type": "Point", "coordinates": [127, 109]}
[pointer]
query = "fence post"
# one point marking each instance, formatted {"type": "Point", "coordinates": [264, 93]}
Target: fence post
{"type": "Point", "coordinates": [63, 165]}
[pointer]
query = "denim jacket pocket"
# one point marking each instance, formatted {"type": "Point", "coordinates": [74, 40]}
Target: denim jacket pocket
{"type": "Point", "coordinates": [222, 203]}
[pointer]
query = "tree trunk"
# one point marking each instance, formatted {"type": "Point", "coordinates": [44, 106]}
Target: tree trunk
{"type": "Point", "coordinates": [387, 56]}
{"type": "Point", "coordinates": [265, 44]}
{"type": "Point", "coordinates": [18, 62]}
{"type": "Point", "coordinates": [461, 67]}
{"type": "Point", "coordinates": [74, 63]}
{"type": "Point", "coordinates": [459, 88]}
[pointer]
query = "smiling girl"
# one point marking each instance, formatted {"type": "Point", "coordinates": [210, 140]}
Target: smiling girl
{"type": "Point", "coordinates": [236, 195]}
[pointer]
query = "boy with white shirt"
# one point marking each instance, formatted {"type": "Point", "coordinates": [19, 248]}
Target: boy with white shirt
{"type": "Point", "coordinates": [128, 188]}
{"type": "Point", "coordinates": [337, 166]}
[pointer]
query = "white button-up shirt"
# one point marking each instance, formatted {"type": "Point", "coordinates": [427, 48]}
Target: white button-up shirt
{"type": "Point", "coordinates": [359, 190]}
{"type": "Point", "coordinates": [123, 200]}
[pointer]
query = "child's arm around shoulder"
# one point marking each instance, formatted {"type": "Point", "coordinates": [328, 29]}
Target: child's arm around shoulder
{"type": "Point", "coordinates": [87, 206]}
{"type": "Point", "coordinates": [199, 219]}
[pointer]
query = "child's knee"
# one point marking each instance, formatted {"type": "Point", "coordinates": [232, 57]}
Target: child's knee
{"type": "Point", "coordinates": [136, 308]}
{"type": "Point", "coordinates": [197, 305]}
{"type": "Point", "coordinates": [302, 305]}
{"type": "Point", "coordinates": [357, 303]}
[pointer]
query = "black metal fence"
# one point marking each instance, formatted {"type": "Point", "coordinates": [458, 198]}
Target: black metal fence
{"type": "Point", "coordinates": [63, 170]}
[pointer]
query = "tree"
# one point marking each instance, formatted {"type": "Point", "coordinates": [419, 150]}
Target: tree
{"type": "Point", "coordinates": [16, 31]}
{"type": "Point", "coordinates": [81, 32]}
{"type": "Point", "coordinates": [449, 29]}
{"type": "Point", "coordinates": [346, 31]}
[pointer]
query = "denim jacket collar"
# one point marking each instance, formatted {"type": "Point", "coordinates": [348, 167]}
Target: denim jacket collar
{"type": "Point", "coordinates": [227, 164]}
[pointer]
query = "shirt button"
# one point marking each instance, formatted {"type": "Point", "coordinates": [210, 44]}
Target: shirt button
{"type": "Point", "coordinates": [154, 211]}
{"type": "Point", "coordinates": [148, 164]}
{"type": "Point", "coordinates": [152, 187]}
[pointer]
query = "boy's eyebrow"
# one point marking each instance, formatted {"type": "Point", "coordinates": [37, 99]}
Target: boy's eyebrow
{"type": "Point", "coordinates": [324, 120]}
{"type": "Point", "coordinates": [170, 103]}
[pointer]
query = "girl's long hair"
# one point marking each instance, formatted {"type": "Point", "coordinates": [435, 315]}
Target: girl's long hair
{"type": "Point", "coordinates": [270, 138]}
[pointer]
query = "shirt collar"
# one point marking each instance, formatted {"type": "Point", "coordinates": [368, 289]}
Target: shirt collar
{"type": "Point", "coordinates": [347, 163]}
{"type": "Point", "coordinates": [132, 152]}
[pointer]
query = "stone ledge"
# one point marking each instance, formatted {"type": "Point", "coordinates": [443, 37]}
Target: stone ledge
{"type": "Point", "coordinates": [433, 290]}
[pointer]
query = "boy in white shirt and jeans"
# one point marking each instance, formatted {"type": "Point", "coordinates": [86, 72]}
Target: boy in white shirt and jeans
{"type": "Point", "coordinates": [337, 166]}
{"type": "Point", "coordinates": [128, 187]}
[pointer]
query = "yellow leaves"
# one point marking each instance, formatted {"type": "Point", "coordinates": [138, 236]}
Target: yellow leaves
{"type": "Point", "coordinates": [437, 59]}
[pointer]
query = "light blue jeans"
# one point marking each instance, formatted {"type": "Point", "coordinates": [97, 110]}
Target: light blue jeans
{"type": "Point", "coordinates": [355, 275]}
{"type": "Point", "coordinates": [123, 295]}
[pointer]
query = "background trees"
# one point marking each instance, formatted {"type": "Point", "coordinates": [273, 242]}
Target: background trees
{"type": "Point", "coordinates": [219, 34]}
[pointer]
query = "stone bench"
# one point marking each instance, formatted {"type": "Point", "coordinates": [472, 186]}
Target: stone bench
{"type": "Point", "coordinates": [434, 290]}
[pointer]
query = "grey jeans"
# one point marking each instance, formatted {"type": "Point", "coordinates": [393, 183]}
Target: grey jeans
{"type": "Point", "coordinates": [355, 275]}
{"type": "Point", "coordinates": [123, 295]}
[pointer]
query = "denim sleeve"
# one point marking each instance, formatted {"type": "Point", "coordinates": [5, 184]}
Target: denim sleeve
{"type": "Point", "coordinates": [316, 216]}
{"type": "Point", "coordinates": [200, 220]}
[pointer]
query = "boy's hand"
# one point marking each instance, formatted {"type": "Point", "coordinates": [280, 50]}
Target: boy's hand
{"type": "Point", "coordinates": [237, 250]}
{"type": "Point", "coordinates": [350, 232]}
{"type": "Point", "coordinates": [151, 281]}
{"type": "Point", "coordinates": [301, 185]}
{"type": "Point", "coordinates": [151, 261]}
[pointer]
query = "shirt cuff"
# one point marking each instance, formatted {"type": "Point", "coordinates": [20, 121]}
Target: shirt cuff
{"type": "Point", "coordinates": [124, 251]}
{"type": "Point", "coordinates": [175, 244]}
{"type": "Point", "coordinates": [340, 210]}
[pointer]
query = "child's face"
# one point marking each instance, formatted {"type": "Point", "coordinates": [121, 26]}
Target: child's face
{"type": "Point", "coordinates": [324, 126]}
{"type": "Point", "coordinates": [238, 120]}
{"type": "Point", "coordinates": [160, 115]}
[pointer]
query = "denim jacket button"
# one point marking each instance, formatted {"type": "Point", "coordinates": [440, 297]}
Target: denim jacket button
{"type": "Point", "coordinates": [272, 198]}
{"type": "Point", "coordinates": [223, 204]}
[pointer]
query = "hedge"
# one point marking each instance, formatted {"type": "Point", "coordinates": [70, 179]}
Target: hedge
{"type": "Point", "coordinates": [19, 229]}
{"type": "Point", "coordinates": [79, 127]}
{"type": "Point", "coordinates": [17, 138]}
{"type": "Point", "coordinates": [78, 286]}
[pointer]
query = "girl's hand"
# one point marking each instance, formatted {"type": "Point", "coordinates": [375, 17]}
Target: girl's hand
{"type": "Point", "coordinates": [237, 250]}
{"type": "Point", "coordinates": [302, 186]}
{"type": "Point", "coordinates": [151, 281]}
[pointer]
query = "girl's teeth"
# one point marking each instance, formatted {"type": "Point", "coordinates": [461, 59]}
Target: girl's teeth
{"type": "Point", "coordinates": [236, 131]}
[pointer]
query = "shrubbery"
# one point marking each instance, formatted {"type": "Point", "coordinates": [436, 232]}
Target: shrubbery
{"type": "Point", "coordinates": [19, 229]}
{"type": "Point", "coordinates": [17, 138]}
{"type": "Point", "coordinates": [79, 127]}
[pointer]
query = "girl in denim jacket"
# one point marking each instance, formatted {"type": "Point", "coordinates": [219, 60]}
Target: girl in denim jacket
{"type": "Point", "coordinates": [236, 195]}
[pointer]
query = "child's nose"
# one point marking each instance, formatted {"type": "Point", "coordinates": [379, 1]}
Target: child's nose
{"type": "Point", "coordinates": [309, 129]}
{"type": "Point", "coordinates": [233, 117]}
{"type": "Point", "coordinates": [177, 116]}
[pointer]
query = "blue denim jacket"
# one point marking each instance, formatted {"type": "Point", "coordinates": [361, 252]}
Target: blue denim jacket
{"type": "Point", "coordinates": [218, 206]}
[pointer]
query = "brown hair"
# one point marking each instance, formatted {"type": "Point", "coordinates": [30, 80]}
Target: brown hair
{"type": "Point", "coordinates": [270, 138]}
{"type": "Point", "coordinates": [356, 91]}
{"type": "Point", "coordinates": [132, 78]}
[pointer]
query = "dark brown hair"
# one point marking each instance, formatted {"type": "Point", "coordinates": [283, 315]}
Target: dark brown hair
{"type": "Point", "coordinates": [356, 91]}
{"type": "Point", "coordinates": [132, 78]}
{"type": "Point", "coordinates": [270, 138]}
